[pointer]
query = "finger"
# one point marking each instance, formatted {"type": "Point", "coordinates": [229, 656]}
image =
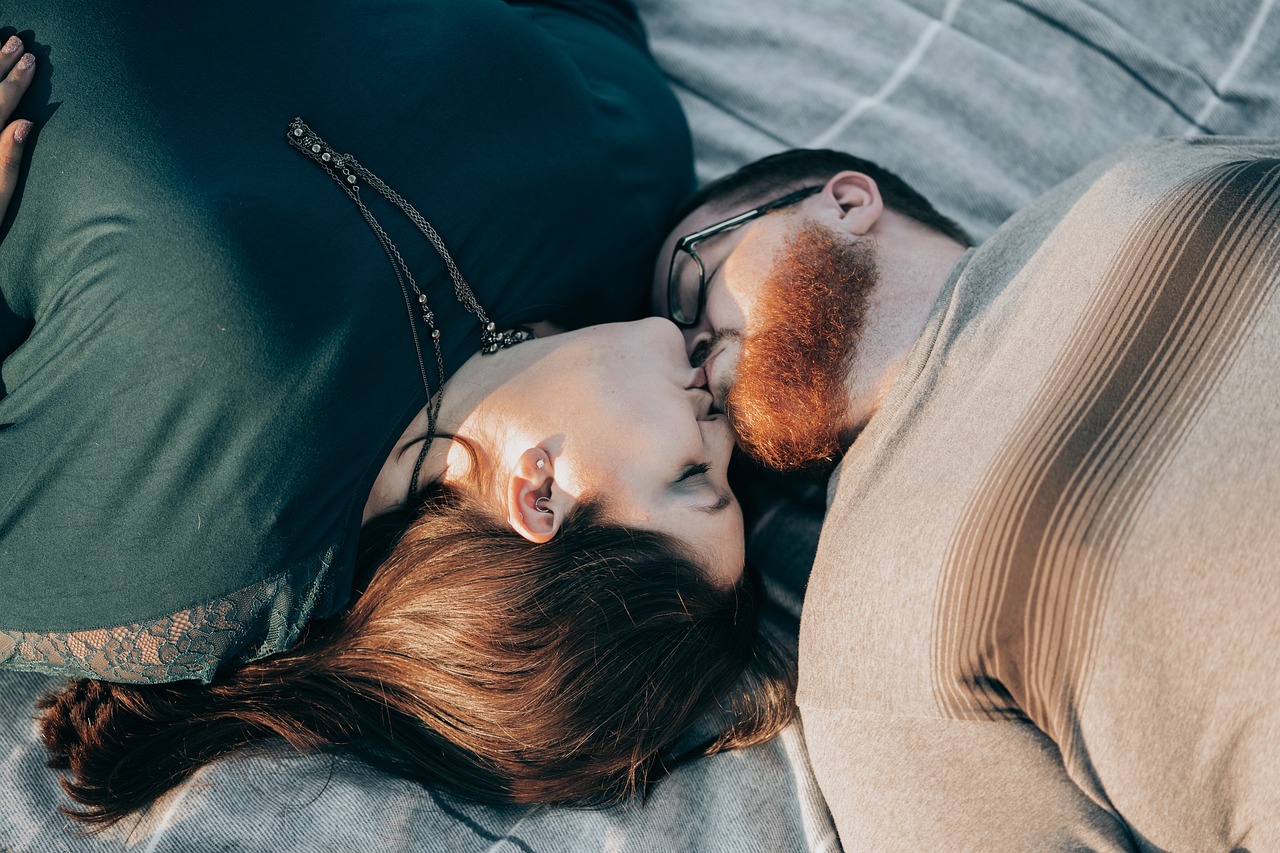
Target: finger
{"type": "Point", "coordinates": [12, 140]}
{"type": "Point", "coordinates": [10, 54]}
{"type": "Point", "coordinates": [15, 84]}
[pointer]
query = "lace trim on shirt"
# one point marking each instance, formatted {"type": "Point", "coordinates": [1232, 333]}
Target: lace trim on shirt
{"type": "Point", "coordinates": [250, 623]}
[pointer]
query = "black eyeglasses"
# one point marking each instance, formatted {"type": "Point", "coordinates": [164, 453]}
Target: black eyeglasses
{"type": "Point", "coordinates": [687, 277]}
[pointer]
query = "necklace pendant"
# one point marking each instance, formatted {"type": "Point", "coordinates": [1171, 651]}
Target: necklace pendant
{"type": "Point", "coordinates": [491, 341]}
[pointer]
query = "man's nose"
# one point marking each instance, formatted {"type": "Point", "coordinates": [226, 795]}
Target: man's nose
{"type": "Point", "coordinates": [697, 343]}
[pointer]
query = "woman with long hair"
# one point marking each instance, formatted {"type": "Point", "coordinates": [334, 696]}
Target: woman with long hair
{"type": "Point", "coordinates": [286, 449]}
{"type": "Point", "coordinates": [561, 607]}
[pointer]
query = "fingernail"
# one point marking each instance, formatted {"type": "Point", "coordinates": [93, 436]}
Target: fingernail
{"type": "Point", "coordinates": [20, 131]}
{"type": "Point", "coordinates": [12, 46]}
{"type": "Point", "coordinates": [27, 61]}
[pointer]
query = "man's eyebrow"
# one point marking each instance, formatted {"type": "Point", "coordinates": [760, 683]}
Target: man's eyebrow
{"type": "Point", "coordinates": [714, 273]}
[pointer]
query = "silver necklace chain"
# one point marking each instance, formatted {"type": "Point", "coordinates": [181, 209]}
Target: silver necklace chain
{"type": "Point", "coordinates": [348, 173]}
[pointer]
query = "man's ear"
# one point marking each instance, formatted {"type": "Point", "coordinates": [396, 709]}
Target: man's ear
{"type": "Point", "coordinates": [535, 508]}
{"type": "Point", "coordinates": [856, 201]}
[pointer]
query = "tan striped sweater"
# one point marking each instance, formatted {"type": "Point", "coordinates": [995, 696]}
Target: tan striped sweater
{"type": "Point", "coordinates": [1045, 612]}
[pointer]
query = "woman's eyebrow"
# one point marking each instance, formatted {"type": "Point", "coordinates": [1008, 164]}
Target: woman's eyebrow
{"type": "Point", "coordinates": [719, 506]}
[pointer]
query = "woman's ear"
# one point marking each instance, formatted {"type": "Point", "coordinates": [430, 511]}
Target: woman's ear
{"type": "Point", "coordinates": [856, 201]}
{"type": "Point", "coordinates": [535, 509]}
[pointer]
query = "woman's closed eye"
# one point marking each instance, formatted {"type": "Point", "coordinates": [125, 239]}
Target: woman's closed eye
{"type": "Point", "coordinates": [723, 499]}
{"type": "Point", "coordinates": [693, 471]}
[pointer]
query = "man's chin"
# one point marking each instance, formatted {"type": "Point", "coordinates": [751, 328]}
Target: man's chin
{"type": "Point", "coordinates": [789, 402]}
{"type": "Point", "coordinates": [786, 439]}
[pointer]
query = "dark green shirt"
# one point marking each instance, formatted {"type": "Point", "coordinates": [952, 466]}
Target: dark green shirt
{"type": "Point", "coordinates": [206, 357]}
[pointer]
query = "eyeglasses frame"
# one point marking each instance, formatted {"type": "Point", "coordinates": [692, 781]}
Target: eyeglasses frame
{"type": "Point", "coordinates": [688, 244]}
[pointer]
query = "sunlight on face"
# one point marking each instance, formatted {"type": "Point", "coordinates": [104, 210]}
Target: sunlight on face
{"type": "Point", "coordinates": [640, 434]}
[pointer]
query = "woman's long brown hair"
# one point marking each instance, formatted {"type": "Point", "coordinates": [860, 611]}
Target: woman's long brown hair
{"type": "Point", "coordinates": [505, 672]}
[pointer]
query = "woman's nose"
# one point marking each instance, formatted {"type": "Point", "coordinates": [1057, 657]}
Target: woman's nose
{"type": "Point", "coordinates": [665, 337]}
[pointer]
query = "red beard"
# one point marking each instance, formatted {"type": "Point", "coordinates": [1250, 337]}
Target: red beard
{"type": "Point", "coordinates": [789, 404]}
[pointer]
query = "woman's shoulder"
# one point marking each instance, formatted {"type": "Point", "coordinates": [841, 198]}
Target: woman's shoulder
{"type": "Point", "coordinates": [188, 645]}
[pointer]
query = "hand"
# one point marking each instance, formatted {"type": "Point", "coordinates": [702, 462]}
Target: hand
{"type": "Point", "coordinates": [17, 69]}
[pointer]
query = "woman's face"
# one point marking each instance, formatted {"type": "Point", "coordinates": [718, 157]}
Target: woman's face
{"type": "Point", "coordinates": [627, 419]}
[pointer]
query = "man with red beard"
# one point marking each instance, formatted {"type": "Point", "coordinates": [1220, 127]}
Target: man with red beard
{"type": "Point", "coordinates": [807, 312]}
{"type": "Point", "coordinates": [1045, 607]}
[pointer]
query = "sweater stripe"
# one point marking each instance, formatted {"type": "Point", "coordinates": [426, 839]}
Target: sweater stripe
{"type": "Point", "coordinates": [1020, 600]}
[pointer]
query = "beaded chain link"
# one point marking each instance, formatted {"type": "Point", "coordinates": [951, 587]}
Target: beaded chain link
{"type": "Point", "coordinates": [348, 173]}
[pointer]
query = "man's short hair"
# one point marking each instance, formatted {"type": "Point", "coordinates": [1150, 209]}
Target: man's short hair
{"type": "Point", "coordinates": [778, 174]}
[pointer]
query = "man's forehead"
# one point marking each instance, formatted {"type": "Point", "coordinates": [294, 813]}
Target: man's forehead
{"type": "Point", "coordinates": [711, 213]}
{"type": "Point", "coordinates": [697, 219]}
